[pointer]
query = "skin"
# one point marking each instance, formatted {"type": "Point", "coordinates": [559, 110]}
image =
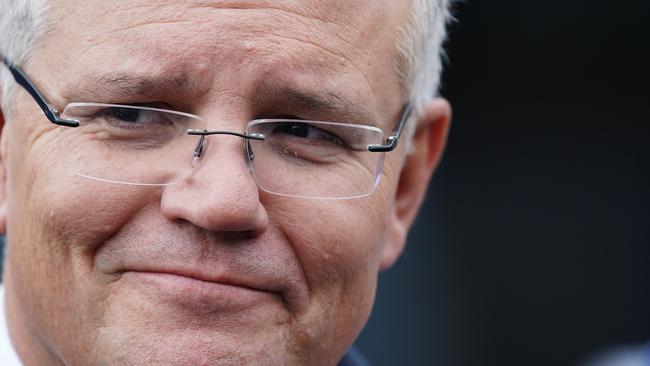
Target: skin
{"type": "Point", "coordinates": [105, 274]}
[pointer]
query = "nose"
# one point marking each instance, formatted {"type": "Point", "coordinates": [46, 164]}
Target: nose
{"type": "Point", "coordinates": [220, 195]}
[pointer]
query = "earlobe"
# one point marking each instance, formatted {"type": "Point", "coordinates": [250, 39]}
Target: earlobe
{"type": "Point", "coordinates": [426, 151]}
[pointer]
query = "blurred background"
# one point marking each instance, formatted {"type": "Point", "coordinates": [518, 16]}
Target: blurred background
{"type": "Point", "coordinates": [534, 244]}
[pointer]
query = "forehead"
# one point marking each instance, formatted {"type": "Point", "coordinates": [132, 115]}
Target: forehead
{"type": "Point", "coordinates": [341, 45]}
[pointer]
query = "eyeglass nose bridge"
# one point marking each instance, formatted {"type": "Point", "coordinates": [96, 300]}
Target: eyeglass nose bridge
{"type": "Point", "coordinates": [199, 146]}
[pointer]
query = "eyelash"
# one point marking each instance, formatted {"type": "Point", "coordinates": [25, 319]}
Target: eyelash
{"type": "Point", "coordinates": [286, 116]}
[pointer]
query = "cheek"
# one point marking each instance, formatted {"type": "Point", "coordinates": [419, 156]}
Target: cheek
{"type": "Point", "coordinates": [63, 207]}
{"type": "Point", "coordinates": [56, 221]}
{"type": "Point", "coordinates": [338, 245]}
{"type": "Point", "coordinates": [334, 241]}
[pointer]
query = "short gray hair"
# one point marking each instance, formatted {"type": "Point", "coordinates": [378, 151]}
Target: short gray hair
{"type": "Point", "coordinates": [420, 50]}
{"type": "Point", "coordinates": [23, 23]}
{"type": "Point", "coordinates": [420, 54]}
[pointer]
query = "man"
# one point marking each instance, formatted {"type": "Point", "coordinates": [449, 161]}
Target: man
{"type": "Point", "coordinates": [210, 182]}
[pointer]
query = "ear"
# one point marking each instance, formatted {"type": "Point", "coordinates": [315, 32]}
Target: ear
{"type": "Point", "coordinates": [3, 176]}
{"type": "Point", "coordinates": [426, 151]}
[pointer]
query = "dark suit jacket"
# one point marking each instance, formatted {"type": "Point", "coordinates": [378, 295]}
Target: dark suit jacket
{"type": "Point", "coordinates": [353, 358]}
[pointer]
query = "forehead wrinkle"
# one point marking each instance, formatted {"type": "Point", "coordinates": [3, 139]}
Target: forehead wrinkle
{"type": "Point", "coordinates": [346, 33]}
{"type": "Point", "coordinates": [297, 32]}
{"type": "Point", "coordinates": [328, 18]}
{"type": "Point", "coordinates": [325, 14]}
{"type": "Point", "coordinates": [159, 14]}
{"type": "Point", "coordinates": [304, 40]}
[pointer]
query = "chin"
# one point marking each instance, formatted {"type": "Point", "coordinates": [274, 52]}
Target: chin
{"type": "Point", "coordinates": [190, 347]}
{"type": "Point", "coordinates": [143, 325]}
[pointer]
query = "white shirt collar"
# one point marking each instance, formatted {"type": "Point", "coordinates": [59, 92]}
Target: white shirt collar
{"type": "Point", "coordinates": [8, 355]}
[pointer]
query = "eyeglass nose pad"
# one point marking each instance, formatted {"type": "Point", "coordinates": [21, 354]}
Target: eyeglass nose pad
{"type": "Point", "coordinates": [249, 155]}
{"type": "Point", "coordinates": [200, 146]}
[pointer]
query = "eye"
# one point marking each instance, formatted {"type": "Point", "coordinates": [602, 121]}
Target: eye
{"type": "Point", "coordinates": [124, 114]}
{"type": "Point", "coordinates": [307, 131]}
{"type": "Point", "coordinates": [134, 116]}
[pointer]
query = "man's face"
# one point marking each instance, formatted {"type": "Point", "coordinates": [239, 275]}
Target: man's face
{"type": "Point", "coordinates": [210, 270]}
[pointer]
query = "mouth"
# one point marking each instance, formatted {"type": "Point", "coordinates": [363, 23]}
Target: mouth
{"type": "Point", "coordinates": [199, 293]}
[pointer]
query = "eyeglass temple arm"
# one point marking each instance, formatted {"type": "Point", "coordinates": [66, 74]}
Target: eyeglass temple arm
{"type": "Point", "coordinates": [50, 112]}
{"type": "Point", "coordinates": [393, 139]}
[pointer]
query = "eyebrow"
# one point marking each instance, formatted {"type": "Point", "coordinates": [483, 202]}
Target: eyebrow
{"type": "Point", "coordinates": [321, 102]}
{"type": "Point", "coordinates": [123, 85]}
